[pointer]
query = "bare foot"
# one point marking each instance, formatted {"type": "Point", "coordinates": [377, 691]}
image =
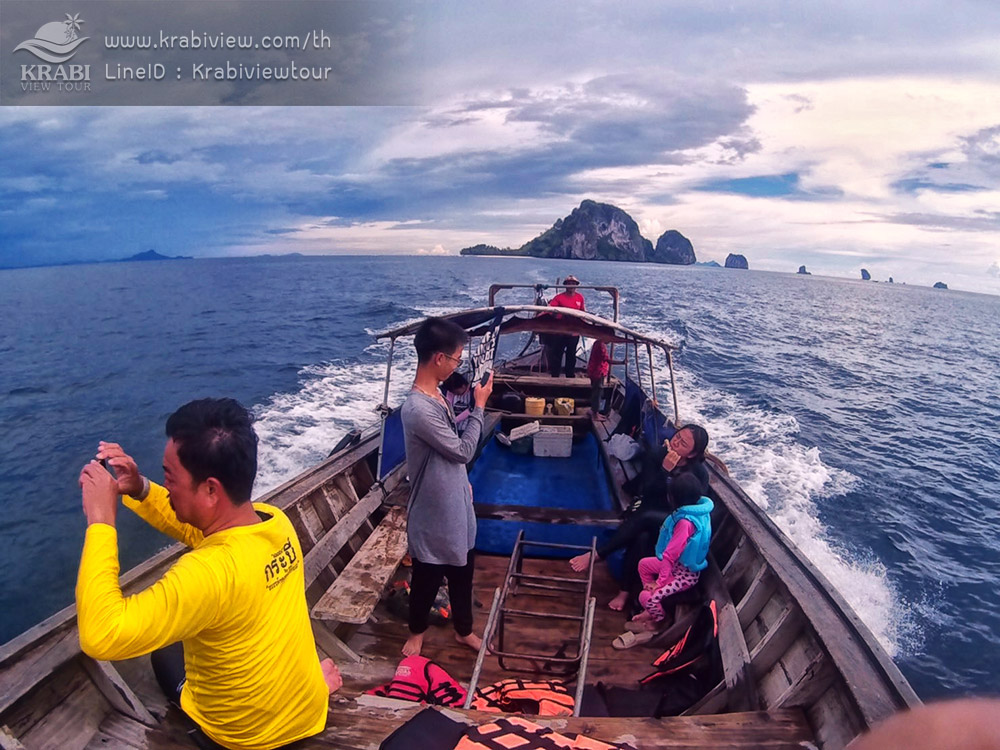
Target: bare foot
{"type": "Point", "coordinates": [644, 626]}
{"type": "Point", "coordinates": [618, 603]}
{"type": "Point", "coordinates": [471, 640]}
{"type": "Point", "coordinates": [642, 617]}
{"type": "Point", "coordinates": [601, 418]}
{"type": "Point", "coordinates": [332, 675]}
{"type": "Point", "coordinates": [580, 563]}
{"type": "Point", "coordinates": [413, 645]}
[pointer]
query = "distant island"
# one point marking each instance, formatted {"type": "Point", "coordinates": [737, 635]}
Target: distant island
{"type": "Point", "coordinates": [735, 260]}
{"type": "Point", "coordinates": [802, 270]}
{"type": "Point", "coordinates": [600, 231]}
{"type": "Point", "coordinates": [151, 255]}
{"type": "Point", "coordinates": [940, 285]}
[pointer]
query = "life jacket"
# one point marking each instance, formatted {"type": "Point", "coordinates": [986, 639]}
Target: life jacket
{"type": "Point", "coordinates": [420, 680]}
{"type": "Point", "coordinates": [514, 695]}
{"type": "Point", "coordinates": [688, 650]}
{"type": "Point", "coordinates": [695, 554]}
{"type": "Point", "coordinates": [516, 733]}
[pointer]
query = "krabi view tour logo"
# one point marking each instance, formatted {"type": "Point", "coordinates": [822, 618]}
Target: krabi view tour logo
{"type": "Point", "coordinates": [55, 43]}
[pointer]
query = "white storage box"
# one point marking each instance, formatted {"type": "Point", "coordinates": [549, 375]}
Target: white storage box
{"type": "Point", "coordinates": [554, 440]}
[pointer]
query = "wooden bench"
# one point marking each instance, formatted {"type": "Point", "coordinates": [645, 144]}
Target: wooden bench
{"type": "Point", "coordinates": [353, 596]}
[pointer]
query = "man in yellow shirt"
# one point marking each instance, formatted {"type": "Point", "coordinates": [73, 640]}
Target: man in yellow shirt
{"type": "Point", "coordinates": [236, 601]}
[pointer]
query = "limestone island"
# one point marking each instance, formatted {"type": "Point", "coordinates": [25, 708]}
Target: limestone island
{"type": "Point", "coordinates": [599, 231]}
{"type": "Point", "coordinates": [802, 270]}
{"type": "Point", "coordinates": [735, 260]}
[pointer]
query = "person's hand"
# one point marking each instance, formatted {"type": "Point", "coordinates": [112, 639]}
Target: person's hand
{"type": "Point", "coordinates": [100, 494]}
{"type": "Point", "coordinates": [650, 586]}
{"type": "Point", "coordinates": [671, 460]}
{"type": "Point", "coordinates": [483, 392]}
{"type": "Point", "coordinates": [124, 467]}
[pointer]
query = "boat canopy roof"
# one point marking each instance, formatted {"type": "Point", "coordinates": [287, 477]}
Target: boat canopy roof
{"type": "Point", "coordinates": [537, 319]}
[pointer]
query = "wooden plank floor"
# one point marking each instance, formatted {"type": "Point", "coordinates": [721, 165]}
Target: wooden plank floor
{"type": "Point", "coordinates": [381, 639]}
{"type": "Point", "coordinates": [355, 723]}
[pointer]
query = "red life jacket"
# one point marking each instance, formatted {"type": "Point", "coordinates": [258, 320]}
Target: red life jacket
{"type": "Point", "coordinates": [542, 697]}
{"type": "Point", "coordinates": [420, 680]}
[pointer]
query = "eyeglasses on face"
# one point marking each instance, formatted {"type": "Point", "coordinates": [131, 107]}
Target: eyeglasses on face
{"type": "Point", "coordinates": [457, 360]}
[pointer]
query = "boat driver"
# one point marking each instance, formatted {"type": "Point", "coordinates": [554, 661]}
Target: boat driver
{"type": "Point", "coordinates": [559, 346]}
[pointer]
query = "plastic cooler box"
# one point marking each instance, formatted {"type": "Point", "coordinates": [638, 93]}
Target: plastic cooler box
{"type": "Point", "coordinates": [555, 441]}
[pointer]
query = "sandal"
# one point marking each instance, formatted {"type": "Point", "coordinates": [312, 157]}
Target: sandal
{"type": "Point", "coordinates": [629, 639]}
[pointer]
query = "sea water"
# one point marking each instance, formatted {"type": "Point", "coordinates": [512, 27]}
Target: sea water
{"type": "Point", "coordinates": [862, 417]}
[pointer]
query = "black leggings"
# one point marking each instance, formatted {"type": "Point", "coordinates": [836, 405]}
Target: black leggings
{"type": "Point", "coordinates": [424, 586]}
{"type": "Point", "coordinates": [637, 535]}
{"type": "Point", "coordinates": [168, 668]}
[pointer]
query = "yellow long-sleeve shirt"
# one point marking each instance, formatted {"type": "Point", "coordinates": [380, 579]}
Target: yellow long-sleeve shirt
{"type": "Point", "coordinates": [237, 601]}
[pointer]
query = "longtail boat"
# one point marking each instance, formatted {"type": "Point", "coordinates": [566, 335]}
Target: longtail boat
{"type": "Point", "coordinates": [795, 667]}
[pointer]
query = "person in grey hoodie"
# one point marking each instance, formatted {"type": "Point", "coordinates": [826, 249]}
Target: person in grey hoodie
{"type": "Point", "coordinates": [441, 522]}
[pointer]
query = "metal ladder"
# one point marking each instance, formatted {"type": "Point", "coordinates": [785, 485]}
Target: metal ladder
{"type": "Point", "coordinates": [501, 612]}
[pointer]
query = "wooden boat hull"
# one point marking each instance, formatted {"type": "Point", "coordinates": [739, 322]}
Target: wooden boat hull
{"type": "Point", "coordinates": [798, 664]}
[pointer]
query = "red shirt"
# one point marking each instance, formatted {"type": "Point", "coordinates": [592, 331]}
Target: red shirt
{"type": "Point", "coordinates": [599, 364]}
{"type": "Point", "coordinates": [562, 299]}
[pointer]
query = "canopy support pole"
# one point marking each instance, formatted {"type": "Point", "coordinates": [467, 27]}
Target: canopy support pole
{"type": "Point", "coordinates": [383, 409]}
{"type": "Point", "coordinates": [652, 377]}
{"type": "Point", "coordinates": [673, 387]}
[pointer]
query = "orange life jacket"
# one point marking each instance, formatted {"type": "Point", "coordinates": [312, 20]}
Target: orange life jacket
{"type": "Point", "coordinates": [515, 733]}
{"type": "Point", "coordinates": [542, 697]}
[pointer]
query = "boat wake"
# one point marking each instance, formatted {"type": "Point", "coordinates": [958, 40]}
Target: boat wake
{"type": "Point", "coordinates": [299, 429]}
{"type": "Point", "coordinates": [787, 479]}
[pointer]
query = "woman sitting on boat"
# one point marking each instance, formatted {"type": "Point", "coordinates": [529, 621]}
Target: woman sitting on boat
{"type": "Point", "coordinates": [684, 453]}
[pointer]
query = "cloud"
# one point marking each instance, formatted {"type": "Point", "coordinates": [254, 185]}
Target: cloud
{"type": "Point", "coordinates": [830, 135]}
{"type": "Point", "coordinates": [436, 250]}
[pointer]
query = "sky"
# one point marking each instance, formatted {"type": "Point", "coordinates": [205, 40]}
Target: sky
{"type": "Point", "coordinates": [839, 136]}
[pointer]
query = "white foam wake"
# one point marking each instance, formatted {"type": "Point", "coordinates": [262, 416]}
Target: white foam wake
{"type": "Point", "coordinates": [787, 478]}
{"type": "Point", "coordinates": [299, 429]}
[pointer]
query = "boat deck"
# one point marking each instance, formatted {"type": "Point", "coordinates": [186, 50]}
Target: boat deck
{"type": "Point", "coordinates": [359, 722]}
{"type": "Point", "coordinates": [381, 641]}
